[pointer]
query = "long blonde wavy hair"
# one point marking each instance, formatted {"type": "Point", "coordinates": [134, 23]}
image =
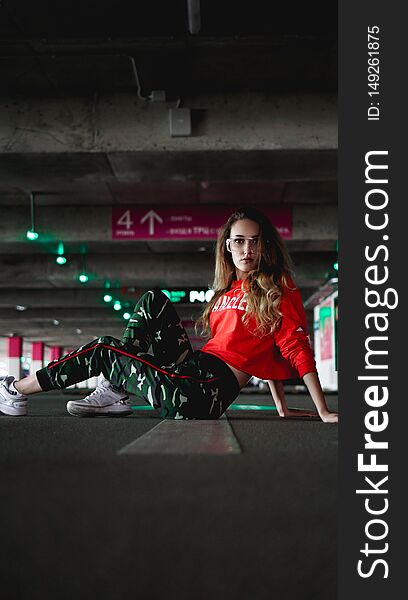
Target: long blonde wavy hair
{"type": "Point", "coordinates": [263, 286]}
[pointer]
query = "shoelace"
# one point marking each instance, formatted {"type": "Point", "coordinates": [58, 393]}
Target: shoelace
{"type": "Point", "coordinates": [101, 389]}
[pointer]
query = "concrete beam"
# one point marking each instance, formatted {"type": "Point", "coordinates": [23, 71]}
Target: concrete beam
{"type": "Point", "coordinates": [187, 193]}
{"type": "Point", "coordinates": [123, 270]}
{"type": "Point", "coordinates": [78, 314]}
{"type": "Point", "coordinates": [64, 298]}
{"type": "Point", "coordinates": [68, 336]}
{"type": "Point", "coordinates": [84, 298]}
{"type": "Point", "coordinates": [74, 172]}
{"type": "Point", "coordinates": [122, 123]}
{"type": "Point", "coordinates": [143, 271]}
{"type": "Point", "coordinates": [76, 326]}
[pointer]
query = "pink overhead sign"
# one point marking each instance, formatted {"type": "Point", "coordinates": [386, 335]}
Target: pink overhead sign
{"type": "Point", "coordinates": [184, 222]}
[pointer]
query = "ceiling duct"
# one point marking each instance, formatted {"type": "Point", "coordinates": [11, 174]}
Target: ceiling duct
{"type": "Point", "coordinates": [194, 16]}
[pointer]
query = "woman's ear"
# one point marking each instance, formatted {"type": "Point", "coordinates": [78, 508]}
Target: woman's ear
{"type": "Point", "coordinates": [228, 245]}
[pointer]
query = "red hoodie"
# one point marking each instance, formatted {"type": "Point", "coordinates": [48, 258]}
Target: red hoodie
{"type": "Point", "coordinates": [285, 354]}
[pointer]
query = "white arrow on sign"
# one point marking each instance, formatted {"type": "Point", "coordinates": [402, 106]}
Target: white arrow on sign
{"type": "Point", "coordinates": [151, 216]}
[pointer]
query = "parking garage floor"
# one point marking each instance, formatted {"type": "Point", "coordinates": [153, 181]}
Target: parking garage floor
{"type": "Point", "coordinates": [81, 519]}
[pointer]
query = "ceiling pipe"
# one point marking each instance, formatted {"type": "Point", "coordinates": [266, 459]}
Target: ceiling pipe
{"type": "Point", "coordinates": [194, 16]}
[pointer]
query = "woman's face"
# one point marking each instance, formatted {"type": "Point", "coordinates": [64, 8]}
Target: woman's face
{"type": "Point", "coordinates": [243, 246]}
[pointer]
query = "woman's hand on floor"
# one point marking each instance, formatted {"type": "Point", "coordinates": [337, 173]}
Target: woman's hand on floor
{"type": "Point", "coordinates": [289, 412]}
{"type": "Point", "coordinates": [329, 417]}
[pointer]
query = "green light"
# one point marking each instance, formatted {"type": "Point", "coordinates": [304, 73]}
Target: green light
{"type": "Point", "coordinates": [126, 316]}
{"type": "Point", "coordinates": [83, 278]}
{"type": "Point", "coordinates": [31, 234]}
{"type": "Point", "coordinates": [336, 266]}
{"type": "Point", "coordinates": [166, 293]}
{"type": "Point", "coordinates": [117, 305]}
{"type": "Point", "coordinates": [107, 298]}
{"type": "Point", "coordinates": [61, 260]}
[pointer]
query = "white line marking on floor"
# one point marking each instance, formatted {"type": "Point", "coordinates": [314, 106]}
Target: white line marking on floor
{"type": "Point", "coordinates": [186, 437]}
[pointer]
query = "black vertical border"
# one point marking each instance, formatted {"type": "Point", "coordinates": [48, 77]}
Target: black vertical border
{"type": "Point", "coordinates": [357, 136]}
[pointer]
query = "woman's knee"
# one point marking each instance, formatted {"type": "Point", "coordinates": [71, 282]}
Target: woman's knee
{"type": "Point", "coordinates": [151, 299]}
{"type": "Point", "coordinates": [108, 340]}
{"type": "Point", "coordinates": [154, 301]}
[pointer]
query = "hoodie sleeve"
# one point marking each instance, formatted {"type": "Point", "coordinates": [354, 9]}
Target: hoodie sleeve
{"type": "Point", "coordinates": [291, 337]}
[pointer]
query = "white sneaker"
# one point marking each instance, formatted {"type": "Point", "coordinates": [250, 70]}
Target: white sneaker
{"type": "Point", "coordinates": [103, 401]}
{"type": "Point", "coordinates": [12, 403]}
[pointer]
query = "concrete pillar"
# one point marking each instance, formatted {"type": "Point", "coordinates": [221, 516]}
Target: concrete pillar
{"type": "Point", "coordinates": [56, 352]}
{"type": "Point", "coordinates": [14, 354]}
{"type": "Point", "coordinates": [37, 356]}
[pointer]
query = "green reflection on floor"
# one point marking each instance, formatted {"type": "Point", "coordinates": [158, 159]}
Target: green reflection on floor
{"type": "Point", "coordinates": [232, 407]}
{"type": "Point", "coordinates": [250, 407]}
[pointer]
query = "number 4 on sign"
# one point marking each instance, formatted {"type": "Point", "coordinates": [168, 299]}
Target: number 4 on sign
{"type": "Point", "coordinates": [125, 220]}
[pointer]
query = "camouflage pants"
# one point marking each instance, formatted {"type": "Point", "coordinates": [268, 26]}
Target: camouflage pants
{"type": "Point", "coordinates": [180, 383]}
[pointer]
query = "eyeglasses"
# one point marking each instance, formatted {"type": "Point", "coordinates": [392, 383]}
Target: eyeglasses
{"type": "Point", "coordinates": [239, 244]}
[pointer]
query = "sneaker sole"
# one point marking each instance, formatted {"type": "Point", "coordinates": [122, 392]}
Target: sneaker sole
{"type": "Point", "coordinates": [93, 411]}
{"type": "Point", "coordinates": [11, 411]}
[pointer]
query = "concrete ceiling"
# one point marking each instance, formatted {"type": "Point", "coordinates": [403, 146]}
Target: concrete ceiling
{"type": "Point", "coordinates": [80, 128]}
{"type": "Point", "coordinates": [261, 46]}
